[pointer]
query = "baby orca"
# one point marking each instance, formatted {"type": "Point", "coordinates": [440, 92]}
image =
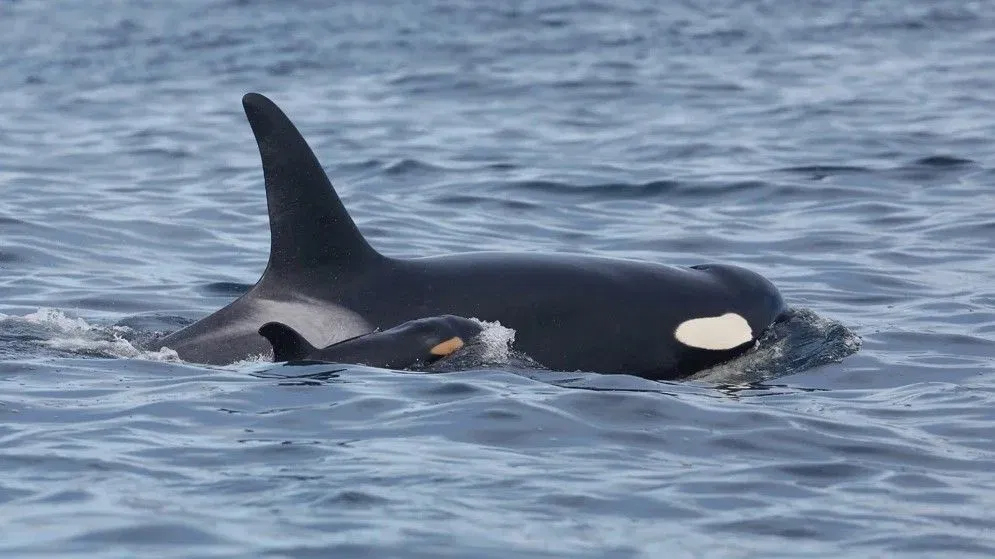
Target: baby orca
{"type": "Point", "coordinates": [412, 344]}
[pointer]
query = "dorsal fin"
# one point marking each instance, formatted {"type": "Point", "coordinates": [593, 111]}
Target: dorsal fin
{"type": "Point", "coordinates": [288, 345]}
{"type": "Point", "coordinates": [309, 226]}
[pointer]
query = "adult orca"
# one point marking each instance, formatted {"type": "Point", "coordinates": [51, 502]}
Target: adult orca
{"type": "Point", "coordinates": [415, 343]}
{"type": "Point", "coordinates": [569, 312]}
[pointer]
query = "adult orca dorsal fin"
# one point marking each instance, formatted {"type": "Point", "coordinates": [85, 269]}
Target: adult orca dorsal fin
{"type": "Point", "coordinates": [288, 344]}
{"type": "Point", "coordinates": [309, 226]}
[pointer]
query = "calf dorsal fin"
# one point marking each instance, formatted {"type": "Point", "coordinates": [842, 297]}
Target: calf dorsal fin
{"type": "Point", "coordinates": [288, 344]}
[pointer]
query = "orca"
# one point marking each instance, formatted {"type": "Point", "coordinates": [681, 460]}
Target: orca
{"type": "Point", "coordinates": [415, 343]}
{"type": "Point", "coordinates": [569, 312]}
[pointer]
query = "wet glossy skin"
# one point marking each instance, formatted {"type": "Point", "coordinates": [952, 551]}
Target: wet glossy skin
{"type": "Point", "coordinates": [415, 343]}
{"type": "Point", "coordinates": [569, 312]}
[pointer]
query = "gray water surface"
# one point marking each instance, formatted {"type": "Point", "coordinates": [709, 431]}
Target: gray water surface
{"type": "Point", "coordinates": [844, 150]}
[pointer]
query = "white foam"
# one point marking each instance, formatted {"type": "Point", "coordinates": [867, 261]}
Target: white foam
{"type": "Point", "coordinates": [496, 341]}
{"type": "Point", "coordinates": [248, 362]}
{"type": "Point", "coordinates": [54, 319]}
{"type": "Point", "coordinates": [74, 334]}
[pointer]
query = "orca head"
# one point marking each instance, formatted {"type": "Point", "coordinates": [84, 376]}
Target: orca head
{"type": "Point", "coordinates": [462, 327]}
{"type": "Point", "coordinates": [750, 299]}
{"type": "Point", "coordinates": [439, 335]}
{"type": "Point", "coordinates": [742, 307]}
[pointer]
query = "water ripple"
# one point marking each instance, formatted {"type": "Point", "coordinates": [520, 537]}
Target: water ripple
{"type": "Point", "coordinates": [844, 152]}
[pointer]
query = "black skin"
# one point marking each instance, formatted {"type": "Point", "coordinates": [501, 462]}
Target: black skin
{"type": "Point", "coordinates": [570, 312]}
{"type": "Point", "coordinates": [412, 344]}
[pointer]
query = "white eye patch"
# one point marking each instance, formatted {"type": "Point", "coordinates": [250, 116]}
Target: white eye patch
{"type": "Point", "coordinates": [714, 332]}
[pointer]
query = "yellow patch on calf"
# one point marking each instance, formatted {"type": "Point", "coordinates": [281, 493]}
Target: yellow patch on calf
{"type": "Point", "coordinates": [447, 347]}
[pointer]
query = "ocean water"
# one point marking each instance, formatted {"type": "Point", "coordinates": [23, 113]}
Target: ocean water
{"type": "Point", "coordinates": [845, 150]}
